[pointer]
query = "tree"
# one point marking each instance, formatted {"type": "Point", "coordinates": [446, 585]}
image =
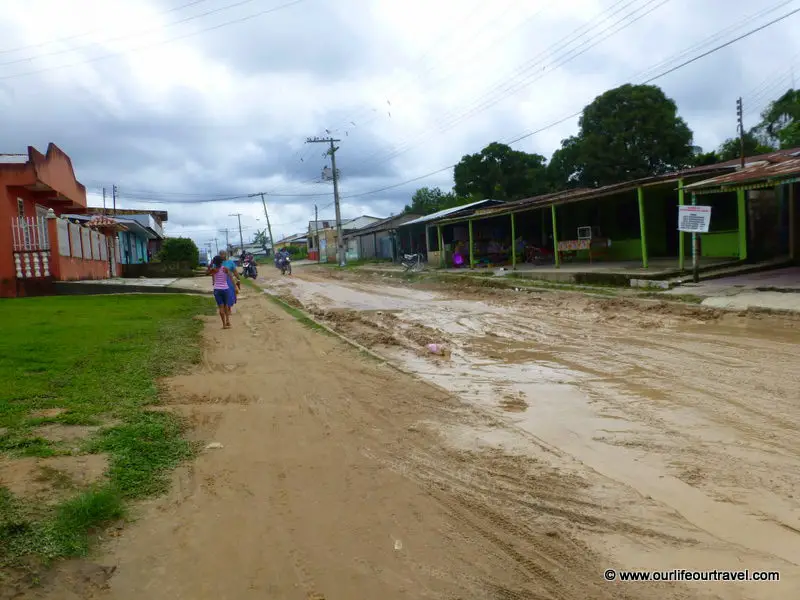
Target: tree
{"type": "Point", "coordinates": [630, 132]}
{"type": "Point", "coordinates": [500, 173]}
{"type": "Point", "coordinates": [261, 239]}
{"type": "Point", "coordinates": [179, 250]}
{"type": "Point", "coordinates": [562, 170]}
{"type": "Point", "coordinates": [731, 148]}
{"type": "Point", "coordinates": [779, 121]}
{"type": "Point", "coordinates": [428, 200]}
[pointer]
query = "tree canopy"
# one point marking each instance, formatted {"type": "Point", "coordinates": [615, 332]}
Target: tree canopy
{"type": "Point", "coordinates": [630, 132]}
{"type": "Point", "coordinates": [426, 201]}
{"type": "Point", "coordinates": [500, 173]}
{"type": "Point", "coordinates": [731, 148]}
{"type": "Point", "coordinates": [179, 249]}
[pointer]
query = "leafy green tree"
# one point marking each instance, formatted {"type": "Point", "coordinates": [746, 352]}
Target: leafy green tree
{"type": "Point", "coordinates": [782, 114]}
{"type": "Point", "coordinates": [428, 200]}
{"type": "Point", "coordinates": [563, 169]}
{"type": "Point", "coordinates": [261, 238]}
{"type": "Point", "coordinates": [501, 173]}
{"type": "Point", "coordinates": [731, 148]}
{"type": "Point", "coordinates": [630, 132]}
{"type": "Point", "coordinates": [179, 250]}
{"type": "Point", "coordinates": [789, 136]}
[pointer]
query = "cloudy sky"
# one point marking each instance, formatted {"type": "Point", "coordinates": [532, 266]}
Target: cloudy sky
{"type": "Point", "coordinates": [179, 101]}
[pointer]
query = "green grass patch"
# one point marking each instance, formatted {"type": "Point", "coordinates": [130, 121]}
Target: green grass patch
{"type": "Point", "coordinates": [98, 358]}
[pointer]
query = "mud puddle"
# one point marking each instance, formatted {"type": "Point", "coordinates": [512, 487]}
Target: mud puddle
{"type": "Point", "coordinates": [693, 410]}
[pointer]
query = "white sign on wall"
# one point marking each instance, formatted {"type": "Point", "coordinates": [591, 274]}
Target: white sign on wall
{"type": "Point", "coordinates": [694, 219]}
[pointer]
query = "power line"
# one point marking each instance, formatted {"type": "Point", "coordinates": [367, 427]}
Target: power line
{"type": "Point", "coordinates": [502, 91]}
{"type": "Point", "coordinates": [132, 35]}
{"type": "Point", "coordinates": [87, 33]}
{"type": "Point", "coordinates": [156, 44]}
{"type": "Point", "coordinates": [543, 128]}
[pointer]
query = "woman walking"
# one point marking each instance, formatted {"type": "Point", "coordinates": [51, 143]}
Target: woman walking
{"type": "Point", "coordinates": [222, 294]}
{"type": "Point", "coordinates": [234, 276]}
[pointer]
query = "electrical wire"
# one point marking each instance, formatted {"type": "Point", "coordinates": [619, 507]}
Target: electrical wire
{"type": "Point", "coordinates": [87, 33]}
{"type": "Point", "coordinates": [157, 44]}
{"type": "Point", "coordinates": [528, 134]}
{"type": "Point", "coordinates": [501, 92]}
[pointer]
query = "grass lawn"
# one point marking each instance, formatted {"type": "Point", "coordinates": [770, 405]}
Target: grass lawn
{"type": "Point", "coordinates": [98, 359]}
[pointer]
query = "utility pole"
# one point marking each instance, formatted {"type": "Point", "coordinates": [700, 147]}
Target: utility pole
{"type": "Point", "coordinates": [332, 153]}
{"type": "Point", "coordinates": [241, 237]}
{"type": "Point", "coordinates": [316, 233]}
{"type": "Point", "coordinates": [227, 239]}
{"type": "Point", "coordinates": [266, 214]}
{"type": "Point", "coordinates": [104, 200]}
{"type": "Point", "coordinates": [114, 196]}
{"type": "Point", "coordinates": [740, 125]}
{"type": "Point", "coordinates": [216, 244]}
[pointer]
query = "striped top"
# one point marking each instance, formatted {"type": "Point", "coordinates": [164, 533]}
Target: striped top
{"type": "Point", "coordinates": [220, 280]}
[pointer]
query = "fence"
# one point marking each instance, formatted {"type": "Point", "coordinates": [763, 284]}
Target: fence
{"type": "Point", "coordinates": [31, 247]}
{"type": "Point", "coordinates": [54, 248]}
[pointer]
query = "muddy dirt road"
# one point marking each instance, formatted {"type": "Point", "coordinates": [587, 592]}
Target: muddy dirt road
{"type": "Point", "coordinates": [679, 424]}
{"type": "Point", "coordinates": [341, 478]}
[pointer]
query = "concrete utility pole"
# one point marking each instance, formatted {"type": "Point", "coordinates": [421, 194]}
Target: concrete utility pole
{"type": "Point", "coordinates": [216, 244]}
{"type": "Point", "coordinates": [266, 214]}
{"type": "Point", "coordinates": [332, 153]}
{"type": "Point", "coordinates": [114, 197]}
{"type": "Point", "coordinates": [227, 239]}
{"type": "Point", "coordinates": [241, 237]}
{"type": "Point", "coordinates": [740, 125]}
{"type": "Point", "coordinates": [104, 200]}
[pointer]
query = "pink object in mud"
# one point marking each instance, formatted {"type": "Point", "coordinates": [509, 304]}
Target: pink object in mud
{"type": "Point", "coordinates": [435, 348]}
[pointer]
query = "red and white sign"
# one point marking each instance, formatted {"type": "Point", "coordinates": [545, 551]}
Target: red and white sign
{"type": "Point", "coordinates": [694, 219]}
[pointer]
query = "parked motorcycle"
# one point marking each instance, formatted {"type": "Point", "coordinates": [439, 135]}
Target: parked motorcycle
{"type": "Point", "coordinates": [412, 262]}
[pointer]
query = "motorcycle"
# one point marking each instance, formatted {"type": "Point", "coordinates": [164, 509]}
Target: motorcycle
{"type": "Point", "coordinates": [412, 262]}
{"type": "Point", "coordinates": [249, 268]}
{"type": "Point", "coordinates": [284, 263]}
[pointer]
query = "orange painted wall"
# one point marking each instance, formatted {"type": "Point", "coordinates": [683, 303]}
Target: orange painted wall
{"type": "Point", "coordinates": [66, 194]}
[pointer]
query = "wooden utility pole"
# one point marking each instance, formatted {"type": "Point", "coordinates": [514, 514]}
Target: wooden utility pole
{"type": "Point", "coordinates": [332, 153]}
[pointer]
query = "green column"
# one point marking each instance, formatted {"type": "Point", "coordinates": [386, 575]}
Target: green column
{"type": "Point", "coordinates": [555, 236]}
{"type": "Point", "coordinates": [681, 241]}
{"type": "Point", "coordinates": [642, 228]}
{"type": "Point", "coordinates": [741, 197]}
{"type": "Point", "coordinates": [442, 259]}
{"type": "Point", "coordinates": [513, 242]}
{"type": "Point", "coordinates": [471, 248]}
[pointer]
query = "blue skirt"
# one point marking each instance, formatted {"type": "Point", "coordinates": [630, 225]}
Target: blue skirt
{"type": "Point", "coordinates": [231, 292]}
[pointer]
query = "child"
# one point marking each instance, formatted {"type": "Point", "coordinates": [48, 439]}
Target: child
{"type": "Point", "coordinates": [219, 275]}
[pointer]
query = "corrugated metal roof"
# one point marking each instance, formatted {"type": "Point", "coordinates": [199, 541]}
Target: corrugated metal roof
{"type": "Point", "coordinates": [776, 168]}
{"type": "Point", "coordinates": [451, 211]}
{"type": "Point", "coordinates": [384, 224]}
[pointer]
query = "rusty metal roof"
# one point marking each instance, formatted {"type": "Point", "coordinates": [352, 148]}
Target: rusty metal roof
{"type": "Point", "coordinates": [773, 170]}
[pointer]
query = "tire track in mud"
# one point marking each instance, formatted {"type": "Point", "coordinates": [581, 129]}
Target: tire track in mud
{"type": "Point", "coordinates": [654, 365]}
